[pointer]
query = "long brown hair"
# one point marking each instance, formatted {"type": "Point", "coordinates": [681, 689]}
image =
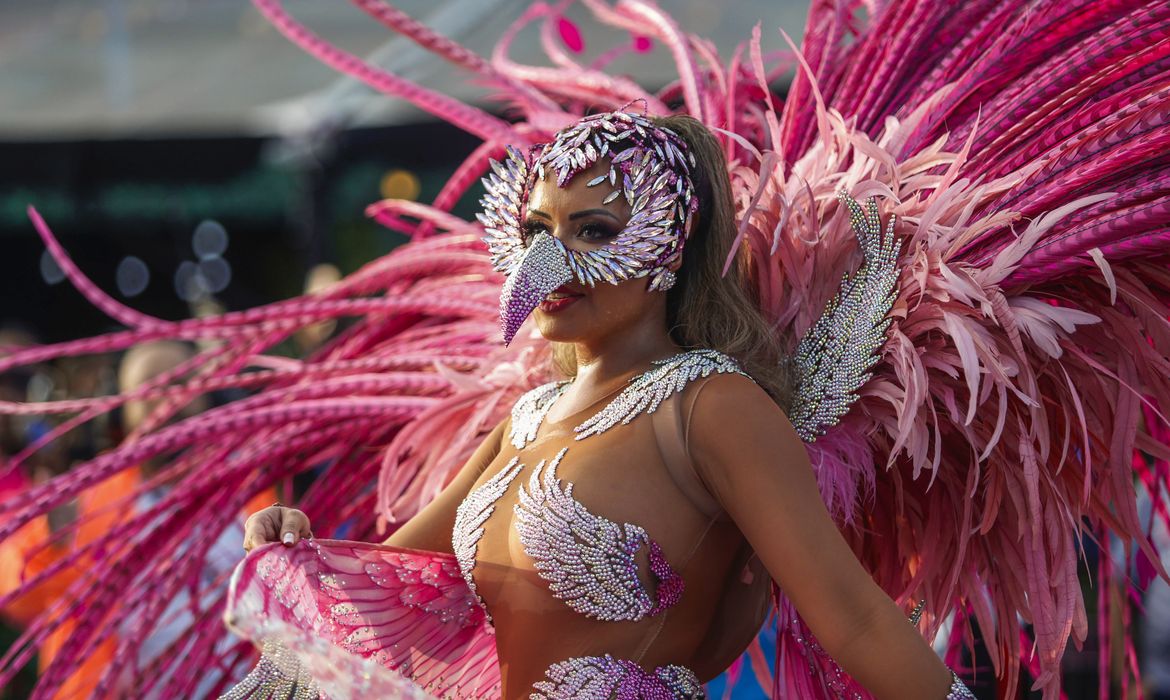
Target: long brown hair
{"type": "Point", "coordinates": [705, 308]}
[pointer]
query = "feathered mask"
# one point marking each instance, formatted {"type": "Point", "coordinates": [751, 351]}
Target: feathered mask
{"type": "Point", "coordinates": [649, 165]}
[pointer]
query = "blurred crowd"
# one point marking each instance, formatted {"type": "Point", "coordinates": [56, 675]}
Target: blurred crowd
{"type": "Point", "coordinates": [45, 541]}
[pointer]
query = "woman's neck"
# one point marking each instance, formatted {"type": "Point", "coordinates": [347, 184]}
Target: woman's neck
{"type": "Point", "coordinates": [600, 362]}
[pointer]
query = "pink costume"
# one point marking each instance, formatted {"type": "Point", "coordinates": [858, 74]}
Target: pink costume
{"type": "Point", "coordinates": [982, 379]}
{"type": "Point", "coordinates": [406, 610]}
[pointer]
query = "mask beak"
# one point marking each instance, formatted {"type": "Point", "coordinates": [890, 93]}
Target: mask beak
{"type": "Point", "coordinates": [543, 268]}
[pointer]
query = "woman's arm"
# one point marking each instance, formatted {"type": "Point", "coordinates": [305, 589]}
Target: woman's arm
{"type": "Point", "coordinates": [431, 528]}
{"type": "Point", "coordinates": [747, 452]}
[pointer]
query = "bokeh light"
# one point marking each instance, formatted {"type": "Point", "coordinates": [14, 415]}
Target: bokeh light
{"type": "Point", "coordinates": [190, 284]}
{"type": "Point", "coordinates": [400, 184]}
{"type": "Point", "coordinates": [210, 239]}
{"type": "Point", "coordinates": [132, 276]}
{"type": "Point", "coordinates": [216, 272]}
{"type": "Point", "coordinates": [50, 270]}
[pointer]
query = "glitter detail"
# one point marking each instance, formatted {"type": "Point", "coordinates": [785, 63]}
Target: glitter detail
{"type": "Point", "coordinates": [604, 677]}
{"type": "Point", "coordinates": [662, 281]}
{"type": "Point", "coordinates": [529, 410]}
{"type": "Point", "coordinates": [652, 387]}
{"type": "Point", "coordinates": [958, 690]}
{"type": "Point", "coordinates": [916, 613]}
{"type": "Point", "coordinates": [643, 394]}
{"type": "Point", "coordinates": [470, 516]}
{"type": "Point", "coordinates": [589, 560]}
{"type": "Point", "coordinates": [834, 357]}
{"type": "Point", "coordinates": [542, 269]}
{"type": "Point", "coordinates": [278, 674]}
{"type": "Point", "coordinates": [501, 210]}
{"type": "Point", "coordinates": [650, 166]}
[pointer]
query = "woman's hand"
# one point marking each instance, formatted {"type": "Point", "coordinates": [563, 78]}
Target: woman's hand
{"type": "Point", "coordinates": [275, 524]}
{"type": "Point", "coordinates": [429, 529]}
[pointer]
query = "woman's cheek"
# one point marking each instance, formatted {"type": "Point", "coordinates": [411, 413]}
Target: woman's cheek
{"type": "Point", "coordinates": [623, 304]}
{"type": "Point", "coordinates": [577, 323]}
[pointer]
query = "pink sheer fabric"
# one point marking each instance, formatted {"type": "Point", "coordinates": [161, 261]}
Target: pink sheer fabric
{"type": "Point", "coordinates": [345, 619]}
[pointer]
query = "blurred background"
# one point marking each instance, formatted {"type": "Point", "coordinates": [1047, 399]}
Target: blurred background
{"type": "Point", "coordinates": [191, 160]}
{"type": "Point", "coordinates": [186, 151]}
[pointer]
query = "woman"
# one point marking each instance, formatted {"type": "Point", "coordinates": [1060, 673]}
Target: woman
{"type": "Point", "coordinates": [970, 393]}
{"type": "Point", "coordinates": [522, 513]}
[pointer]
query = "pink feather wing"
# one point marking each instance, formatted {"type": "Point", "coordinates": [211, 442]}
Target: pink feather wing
{"type": "Point", "coordinates": [368, 620]}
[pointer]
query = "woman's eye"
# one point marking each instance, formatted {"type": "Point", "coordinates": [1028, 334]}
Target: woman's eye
{"type": "Point", "coordinates": [588, 232]}
{"type": "Point", "coordinates": [593, 232]}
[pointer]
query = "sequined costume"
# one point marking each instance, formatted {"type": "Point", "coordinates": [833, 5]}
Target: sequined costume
{"type": "Point", "coordinates": [977, 379]}
{"type": "Point", "coordinates": [543, 536]}
{"type": "Point", "coordinates": [584, 541]}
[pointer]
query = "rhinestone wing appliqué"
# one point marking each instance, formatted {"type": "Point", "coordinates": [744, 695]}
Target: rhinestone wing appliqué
{"type": "Point", "coordinates": [530, 409]}
{"type": "Point", "coordinates": [835, 356]}
{"type": "Point", "coordinates": [643, 394]}
{"type": "Point", "coordinates": [588, 559]}
{"type": "Point", "coordinates": [651, 388]}
{"type": "Point", "coordinates": [470, 517]}
{"type": "Point", "coordinates": [604, 677]}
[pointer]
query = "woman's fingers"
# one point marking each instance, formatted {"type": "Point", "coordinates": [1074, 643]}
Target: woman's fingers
{"type": "Point", "coordinates": [275, 524]}
{"type": "Point", "coordinates": [251, 526]}
{"type": "Point", "coordinates": [294, 527]}
{"type": "Point", "coordinates": [266, 525]}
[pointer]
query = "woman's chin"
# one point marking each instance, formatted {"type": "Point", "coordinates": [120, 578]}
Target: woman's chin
{"type": "Point", "coordinates": [558, 330]}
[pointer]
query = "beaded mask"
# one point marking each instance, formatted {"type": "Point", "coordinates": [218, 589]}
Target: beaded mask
{"type": "Point", "coordinates": [649, 165]}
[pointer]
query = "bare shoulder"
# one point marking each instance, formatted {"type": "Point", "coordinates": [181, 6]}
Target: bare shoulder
{"type": "Point", "coordinates": [721, 397]}
{"type": "Point", "coordinates": [735, 423]}
{"type": "Point", "coordinates": [503, 431]}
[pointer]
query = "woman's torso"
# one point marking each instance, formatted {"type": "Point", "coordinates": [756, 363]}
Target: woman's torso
{"type": "Point", "coordinates": [585, 502]}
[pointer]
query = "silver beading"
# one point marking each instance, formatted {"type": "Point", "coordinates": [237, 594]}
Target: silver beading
{"type": "Point", "coordinates": [470, 516]}
{"type": "Point", "coordinates": [834, 357]}
{"type": "Point", "coordinates": [652, 387]}
{"type": "Point", "coordinates": [643, 394]}
{"type": "Point", "coordinates": [958, 690]}
{"type": "Point", "coordinates": [529, 410]}
{"type": "Point", "coordinates": [588, 559]}
{"type": "Point", "coordinates": [650, 166]}
{"type": "Point", "coordinates": [606, 678]}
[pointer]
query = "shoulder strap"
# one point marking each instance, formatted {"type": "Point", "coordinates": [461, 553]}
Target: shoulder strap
{"type": "Point", "coordinates": [672, 432]}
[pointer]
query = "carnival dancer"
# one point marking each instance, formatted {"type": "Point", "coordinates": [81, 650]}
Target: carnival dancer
{"type": "Point", "coordinates": [951, 238]}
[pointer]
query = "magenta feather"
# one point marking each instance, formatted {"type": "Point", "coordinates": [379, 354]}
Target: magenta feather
{"type": "Point", "coordinates": [1020, 145]}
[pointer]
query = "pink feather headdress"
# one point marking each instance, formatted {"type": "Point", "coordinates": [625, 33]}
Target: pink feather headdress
{"type": "Point", "coordinates": [1019, 398]}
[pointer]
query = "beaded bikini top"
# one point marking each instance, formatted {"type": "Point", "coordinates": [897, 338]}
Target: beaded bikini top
{"type": "Point", "coordinates": [588, 560]}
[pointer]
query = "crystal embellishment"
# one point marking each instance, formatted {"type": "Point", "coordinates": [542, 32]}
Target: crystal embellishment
{"type": "Point", "coordinates": [604, 677]}
{"type": "Point", "coordinates": [834, 357]}
{"type": "Point", "coordinates": [643, 394]}
{"type": "Point", "coordinates": [651, 388]}
{"type": "Point", "coordinates": [650, 167]}
{"type": "Point", "coordinates": [278, 674]}
{"type": "Point", "coordinates": [529, 410]}
{"type": "Point", "coordinates": [543, 267]}
{"type": "Point", "coordinates": [470, 516]}
{"type": "Point", "coordinates": [958, 690]}
{"type": "Point", "coordinates": [589, 560]}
